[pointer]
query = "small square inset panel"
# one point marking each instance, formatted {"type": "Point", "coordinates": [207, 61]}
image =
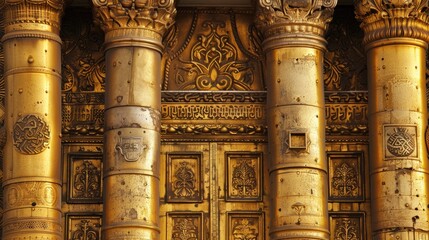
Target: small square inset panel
{"type": "Point", "coordinates": [245, 225]}
{"type": "Point", "coordinates": [84, 180]}
{"type": "Point", "coordinates": [347, 226]}
{"type": "Point", "coordinates": [244, 182]}
{"type": "Point", "coordinates": [184, 179]}
{"type": "Point", "coordinates": [400, 141]}
{"type": "Point", "coordinates": [345, 176]}
{"type": "Point", "coordinates": [185, 225]}
{"type": "Point", "coordinates": [297, 140]}
{"type": "Point", "coordinates": [83, 226]}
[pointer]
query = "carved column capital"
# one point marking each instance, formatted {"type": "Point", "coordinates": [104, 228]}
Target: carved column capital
{"type": "Point", "coordinates": [135, 21]}
{"type": "Point", "coordinates": [393, 18]}
{"type": "Point", "coordinates": [32, 15]}
{"type": "Point", "coordinates": [302, 20]}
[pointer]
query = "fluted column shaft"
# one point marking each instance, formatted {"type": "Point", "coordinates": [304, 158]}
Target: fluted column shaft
{"type": "Point", "coordinates": [294, 47]}
{"type": "Point", "coordinates": [396, 37]}
{"type": "Point", "coordinates": [32, 162]}
{"type": "Point", "coordinates": [133, 44]}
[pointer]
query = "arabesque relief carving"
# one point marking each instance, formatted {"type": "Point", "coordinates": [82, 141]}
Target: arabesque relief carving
{"type": "Point", "coordinates": [81, 227]}
{"type": "Point", "coordinates": [212, 53]}
{"type": "Point", "coordinates": [31, 134]}
{"type": "Point", "coordinates": [185, 226]}
{"type": "Point", "coordinates": [245, 226]}
{"type": "Point", "coordinates": [347, 227]}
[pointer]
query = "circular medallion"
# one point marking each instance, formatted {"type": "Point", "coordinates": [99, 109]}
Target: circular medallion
{"type": "Point", "coordinates": [31, 135]}
{"type": "Point", "coordinates": [401, 143]}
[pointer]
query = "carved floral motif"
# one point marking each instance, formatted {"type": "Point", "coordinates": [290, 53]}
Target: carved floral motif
{"type": "Point", "coordinates": [185, 184]}
{"type": "Point", "coordinates": [87, 181]}
{"type": "Point", "coordinates": [244, 179]}
{"type": "Point", "coordinates": [347, 229]}
{"type": "Point", "coordinates": [87, 230]}
{"type": "Point", "coordinates": [184, 229]}
{"type": "Point", "coordinates": [245, 229]}
{"type": "Point", "coordinates": [345, 180]}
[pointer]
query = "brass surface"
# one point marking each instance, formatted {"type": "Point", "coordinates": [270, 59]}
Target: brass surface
{"type": "Point", "coordinates": [293, 45]}
{"type": "Point", "coordinates": [133, 32]}
{"type": "Point", "coordinates": [397, 116]}
{"type": "Point", "coordinates": [32, 172]}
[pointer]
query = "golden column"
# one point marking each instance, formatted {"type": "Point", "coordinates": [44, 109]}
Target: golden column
{"type": "Point", "coordinates": [32, 162]}
{"type": "Point", "coordinates": [294, 46]}
{"type": "Point", "coordinates": [133, 45]}
{"type": "Point", "coordinates": [396, 36]}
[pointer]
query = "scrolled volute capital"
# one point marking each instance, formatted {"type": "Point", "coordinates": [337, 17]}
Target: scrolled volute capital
{"type": "Point", "coordinates": [393, 18]}
{"type": "Point", "coordinates": [43, 12]}
{"type": "Point", "coordinates": [294, 16]}
{"type": "Point", "coordinates": [147, 18]}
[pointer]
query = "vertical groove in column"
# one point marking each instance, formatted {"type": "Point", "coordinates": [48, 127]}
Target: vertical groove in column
{"type": "Point", "coordinates": [32, 163]}
{"type": "Point", "coordinates": [397, 116]}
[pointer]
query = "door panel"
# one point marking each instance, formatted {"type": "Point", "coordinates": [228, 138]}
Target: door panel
{"type": "Point", "coordinates": [213, 191]}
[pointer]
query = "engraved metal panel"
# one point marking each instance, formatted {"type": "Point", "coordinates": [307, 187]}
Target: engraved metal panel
{"type": "Point", "coordinates": [185, 226]}
{"type": "Point", "coordinates": [400, 141]}
{"type": "Point", "coordinates": [244, 172]}
{"type": "Point", "coordinates": [85, 174]}
{"type": "Point", "coordinates": [31, 134]}
{"type": "Point", "coordinates": [245, 226]}
{"type": "Point", "coordinates": [184, 177]}
{"type": "Point", "coordinates": [83, 227]}
{"type": "Point", "coordinates": [345, 176]}
{"type": "Point", "coordinates": [347, 226]}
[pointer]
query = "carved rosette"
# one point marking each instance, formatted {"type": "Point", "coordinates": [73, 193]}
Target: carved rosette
{"type": "Point", "coordinates": [393, 18]}
{"type": "Point", "coordinates": [143, 21]}
{"type": "Point", "coordinates": [34, 12]}
{"type": "Point", "coordinates": [306, 21]}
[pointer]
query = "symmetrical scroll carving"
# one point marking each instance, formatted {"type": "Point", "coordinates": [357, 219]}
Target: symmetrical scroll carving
{"type": "Point", "coordinates": [213, 53]}
{"type": "Point", "coordinates": [244, 176]}
{"type": "Point", "coordinates": [245, 226]}
{"type": "Point", "coordinates": [31, 134]}
{"type": "Point", "coordinates": [81, 227]}
{"type": "Point", "coordinates": [386, 19]}
{"type": "Point", "coordinates": [280, 16]}
{"type": "Point", "coordinates": [184, 226]}
{"type": "Point", "coordinates": [154, 15]}
{"type": "Point", "coordinates": [184, 177]}
{"type": "Point", "coordinates": [345, 176]}
{"type": "Point", "coordinates": [347, 227]}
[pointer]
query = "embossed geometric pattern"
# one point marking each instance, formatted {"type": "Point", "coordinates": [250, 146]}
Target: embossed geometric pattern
{"type": "Point", "coordinates": [345, 176]}
{"type": "Point", "coordinates": [244, 176]}
{"type": "Point", "coordinates": [245, 226]}
{"type": "Point", "coordinates": [83, 227]}
{"type": "Point", "coordinates": [185, 226]}
{"type": "Point", "coordinates": [347, 226]}
{"type": "Point", "coordinates": [31, 134]}
{"type": "Point", "coordinates": [184, 182]}
{"type": "Point", "coordinates": [400, 141]}
{"type": "Point", "coordinates": [85, 184]}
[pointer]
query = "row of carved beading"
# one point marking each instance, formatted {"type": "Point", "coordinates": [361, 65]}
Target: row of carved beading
{"type": "Point", "coordinates": [46, 12]}
{"type": "Point", "coordinates": [143, 18]}
{"type": "Point", "coordinates": [386, 19]}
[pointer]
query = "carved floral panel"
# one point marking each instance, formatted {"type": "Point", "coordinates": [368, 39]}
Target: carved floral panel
{"type": "Point", "coordinates": [245, 226]}
{"type": "Point", "coordinates": [243, 175]}
{"type": "Point", "coordinates": [345, 226]}
{"type": "Point", "coordinates": [83, 227]}
{"type": "Point", "coordinates": [185, 226]}
{"type": "Point", "coordinates": [184, 177]}
{"type": "Point", "coordinates": [213, 50]}
{"type": "Point", "coordinates": [345, 176]}
{"type": "Point", "coordinates": [85, 179]}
